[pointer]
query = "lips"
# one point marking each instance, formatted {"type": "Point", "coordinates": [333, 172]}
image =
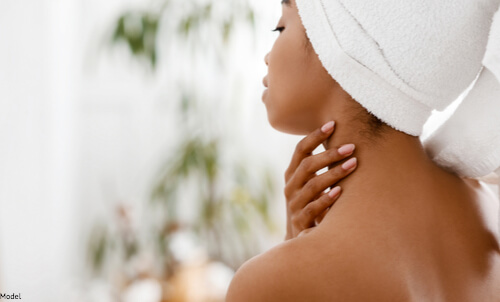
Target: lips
{"type": "Point", "coordinates": [264, 81]}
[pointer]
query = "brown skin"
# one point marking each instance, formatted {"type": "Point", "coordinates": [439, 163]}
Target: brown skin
{"type": "Point", "coordinates": [404, 228]}
{"type": "Point", "coordinates": [297, 82]}
{"type": "Point", "coordinates": [306, 201]}
{"type": "Point", "coordinates": [301, 95]}
{"type": "Point", "coordinates": [295, 111]}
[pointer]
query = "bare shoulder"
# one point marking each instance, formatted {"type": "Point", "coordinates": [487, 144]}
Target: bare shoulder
{"type": "Point", "coordinates": [308, 268]}
{"type": "Point", "coordinates": [265, 277]}
{"type": "Point", "coordinates": [486, 200]}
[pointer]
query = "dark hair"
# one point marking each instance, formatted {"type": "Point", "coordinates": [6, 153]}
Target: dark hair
{"type": "Point", "coordinates": [307, 43]}
{"type": "Point", "coordinates": [373, 128]}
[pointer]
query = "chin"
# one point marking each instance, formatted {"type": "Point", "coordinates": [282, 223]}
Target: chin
{"type": "Point", "coordinates": [285, 119]}
{"type": "Point", "coordinates": [281, 125]}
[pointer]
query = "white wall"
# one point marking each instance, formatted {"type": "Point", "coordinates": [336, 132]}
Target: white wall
{"type": "Point", "coordinates": [36, 175]}
{"type": "Point", "coordinates": [82, 130]}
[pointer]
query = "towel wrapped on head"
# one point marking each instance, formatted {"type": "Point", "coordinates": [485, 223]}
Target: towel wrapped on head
{"type": "Point", "coordinates": [469, 141]}
{"type": "Point", "coordinates": [403, 59]}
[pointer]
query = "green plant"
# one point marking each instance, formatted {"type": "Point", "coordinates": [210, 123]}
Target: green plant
{"type": "Point", "coordinates": [191, 22]}
{"type": "Point", "coordinates": [224, 217]}
{"type": "Point", "coordinates": [231, 200]}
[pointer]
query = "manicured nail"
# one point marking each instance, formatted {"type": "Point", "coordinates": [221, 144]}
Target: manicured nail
{"type": "Point", "coordinates": [327, 127]}
{"type": "Point", "coordinates": [349, 164]}
{"type": "Point", "coordinates": [333, 192]}
{"type": "Point", "coordinates": [346, 149]}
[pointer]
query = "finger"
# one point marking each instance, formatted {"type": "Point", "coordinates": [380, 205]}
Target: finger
{"type": "Point", "coordinates": [305, 231]}
{"type": "Point", "coordinates": [323, 181]}
{"type": "Point", "coordinates": [318, 196]}
{"type": "Point", "coordinates": [307, 145]}
{"type": "Point", "coordinates": [323, 214]}
{"type": "Point", "coordinates": [291, 189]}
{"type": "Point", "coordinates": [315, 208]}
{"type": "Point", "coordinates": [310, 165]}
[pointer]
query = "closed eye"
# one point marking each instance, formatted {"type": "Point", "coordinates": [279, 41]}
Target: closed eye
{"type": "Point", "coordinates": [280, 29]}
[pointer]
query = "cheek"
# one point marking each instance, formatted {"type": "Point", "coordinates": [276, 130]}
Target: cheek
{"type": "Point", "coordinates": [286, 69]}
{"type": "Point", "coordinates": [298, 87]}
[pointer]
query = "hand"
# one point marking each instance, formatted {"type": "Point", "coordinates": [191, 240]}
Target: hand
{"type": "Point", "coordinates": [306, 201]}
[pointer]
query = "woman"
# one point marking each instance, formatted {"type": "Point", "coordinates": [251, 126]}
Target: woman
{"type": "Point", "coordinates": [404, 228]}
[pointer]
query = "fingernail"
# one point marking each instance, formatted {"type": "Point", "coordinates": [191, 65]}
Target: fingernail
{"type": "Point", "coordinates": [333, 192]}
{"type": "Point", "coordinates": [346, 149]}
{"type": "Point", "coordinates": [327, 127]}
{"type": "Point", "coordinates": [349, 164]}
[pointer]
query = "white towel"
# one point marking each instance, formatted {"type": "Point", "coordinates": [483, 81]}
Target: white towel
{"type": "Point", "coordinates": [469, 141]}
{"type": "Point", "coordinates": [401, 59]}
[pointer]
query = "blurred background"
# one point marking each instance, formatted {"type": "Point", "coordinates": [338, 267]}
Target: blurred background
{"type": "Point", "coordinates": [136, 159]}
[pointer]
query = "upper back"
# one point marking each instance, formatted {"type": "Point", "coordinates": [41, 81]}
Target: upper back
{"type": "Point", "coordinates": [446, 251]}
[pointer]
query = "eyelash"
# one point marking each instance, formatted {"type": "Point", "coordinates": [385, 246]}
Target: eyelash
{"type": "Point", "coordinates": [280, 29]}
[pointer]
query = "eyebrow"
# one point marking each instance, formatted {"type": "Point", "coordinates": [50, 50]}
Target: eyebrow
{"type": "Point", "coordinates": [287, 2]}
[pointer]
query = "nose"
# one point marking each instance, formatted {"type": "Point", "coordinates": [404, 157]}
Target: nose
{"type": "Point", "coordinates": [266, 59]}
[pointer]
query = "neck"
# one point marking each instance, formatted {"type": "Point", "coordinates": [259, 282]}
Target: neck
{"type": "Point", "coordinates": [395, 165]}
